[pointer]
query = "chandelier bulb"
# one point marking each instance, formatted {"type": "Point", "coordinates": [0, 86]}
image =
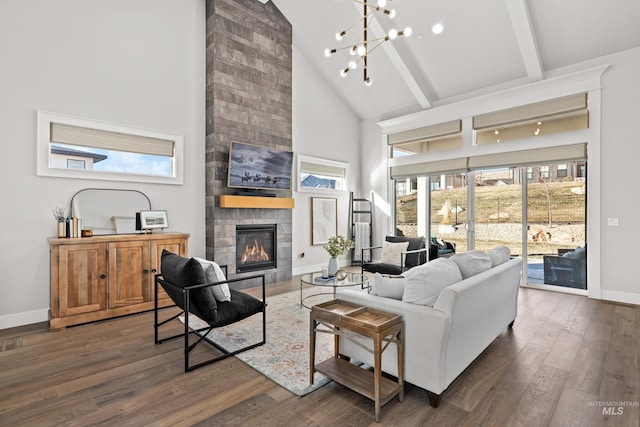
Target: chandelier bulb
{"type": "Point", "coordinates": [353, 65]}
{"type": "Point", "coordinates": [382, 3]}
{"type": "Point", "coordinates": [391, 13]}
{"type": "Point", "coordinates": [362, 51]}
{"type": "Point", "coordinates": [340, 35]}
{"type": "Point", "coordinates": [393, 34]}
{"type": "Point", "coordinates": [353, 50]}
{"type": "Point", "coordinates": [344, 72]}
{"type": "Point", "coordinates": [407, 31]}
{"type": "Point", "coordinates": [368, 81]}
{"type": "Point", "coordinates": [327, 52]}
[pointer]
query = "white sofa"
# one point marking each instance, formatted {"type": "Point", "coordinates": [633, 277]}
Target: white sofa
{"type": "Point", "coordinates": [441, 341]}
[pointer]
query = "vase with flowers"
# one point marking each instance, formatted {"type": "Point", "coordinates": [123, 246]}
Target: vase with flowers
{"type": "Point", "coordinates": [336, 246]}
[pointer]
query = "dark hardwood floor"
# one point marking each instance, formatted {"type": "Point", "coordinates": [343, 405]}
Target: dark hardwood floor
{"type": "Point", "coordinates": [568, 361]}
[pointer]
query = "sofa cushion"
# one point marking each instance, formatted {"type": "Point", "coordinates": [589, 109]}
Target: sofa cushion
{"type": "Point", "coordinates": [184, 272]}
{"type": "Point", "coordinates": [499, 255]}
{"type": "Point", "coordinates": [415, 243]}
{"type": "Point", "coordinates": [387, 286]}
{"type": "Point", "coordinates": [391, 252]}
{"type": "Point", "coordinates": [213, 273]}
{"type": "Point", "coordinates": [423, 284]}
{"type": "Point", "coordinates": [472, 262]}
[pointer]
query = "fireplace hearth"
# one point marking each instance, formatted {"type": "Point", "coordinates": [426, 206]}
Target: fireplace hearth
{"type": "Point", "coordinates": [256, 247]}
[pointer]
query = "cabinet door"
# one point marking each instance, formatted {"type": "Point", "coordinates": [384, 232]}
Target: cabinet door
{"type": "Point", "coordinates": [176, 245]}
{"type": "Point", "coordinates": [82, 278]}
{"type": "Point", "coordinates": [129, 273]}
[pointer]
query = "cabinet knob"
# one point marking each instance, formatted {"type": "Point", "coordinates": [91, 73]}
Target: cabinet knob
{"type": "Point", "coordinates": [103, 276]}
{"type": "Point", "coordinates": [145, 271]}
{"type": "Point", "coordinates": [153, 270]}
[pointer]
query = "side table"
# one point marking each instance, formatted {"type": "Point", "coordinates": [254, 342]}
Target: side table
{"type": "Point", "coordinates": [343, 318]}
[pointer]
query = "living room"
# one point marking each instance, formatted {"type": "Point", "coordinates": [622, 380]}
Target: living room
{"type": "Point", "coordinates": [143, 65]}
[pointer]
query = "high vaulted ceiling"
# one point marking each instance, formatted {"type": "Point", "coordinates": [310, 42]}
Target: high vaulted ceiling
{"type": "Point", "coordinates": [485, 45]}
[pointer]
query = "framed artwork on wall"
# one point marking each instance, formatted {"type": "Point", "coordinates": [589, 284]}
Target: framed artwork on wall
{"type": "Point", "coordinates": [324, 219]}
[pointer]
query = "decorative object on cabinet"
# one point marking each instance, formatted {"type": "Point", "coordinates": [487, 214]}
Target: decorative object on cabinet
{"type": "Point", "coordinates": [101, 277]}
{"type": "Point", "coordinates": [153, 219]}
{"type": "Point", "coordinates": [190, 286]}
{"type": "Point", "coordinates": [108, 211]}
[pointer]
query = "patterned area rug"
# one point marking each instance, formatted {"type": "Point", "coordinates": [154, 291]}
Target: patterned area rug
{"type": "Point", "coordinates": [285, 357]}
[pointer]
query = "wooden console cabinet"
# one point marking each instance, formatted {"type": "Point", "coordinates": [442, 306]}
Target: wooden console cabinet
{"type": "Point", "coordinates": [95, 278]}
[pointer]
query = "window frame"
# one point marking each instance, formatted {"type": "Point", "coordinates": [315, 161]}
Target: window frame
{"type": "Point", "coordinates": [43, 151]}
{"type": "Point", "coordinates": [322, 162]}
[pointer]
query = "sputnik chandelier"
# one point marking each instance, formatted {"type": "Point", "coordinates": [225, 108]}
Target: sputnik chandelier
{"type": "Point", "coordinates": [364, 46]}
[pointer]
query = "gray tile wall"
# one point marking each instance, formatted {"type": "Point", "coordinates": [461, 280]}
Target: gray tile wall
{"type": "Point", "coordinates": [248, 100]}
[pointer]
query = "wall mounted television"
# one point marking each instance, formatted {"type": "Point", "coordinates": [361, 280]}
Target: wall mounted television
{"type": "Point", "coordinates": [257, 167]}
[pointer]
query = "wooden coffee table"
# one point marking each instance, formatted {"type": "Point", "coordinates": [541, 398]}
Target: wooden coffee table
{"type": "Point", "coordinates": [343, 318]}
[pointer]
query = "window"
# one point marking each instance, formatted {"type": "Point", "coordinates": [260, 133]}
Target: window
{"type": "Point", "coordinates": [320, 175]}
{"type": "Point", "coordinates": [544, 172]}
{"type": "Point", "coordinates": [80, 148]}
{"type": "Point", "coordinates": [439, 137]}
{"type": "Point", "coordinates": [529, 173]}
{"type": "Point", "coordinates": [542, 118]}
{"type": "Point", "coordinates": [75, 164]}
{"type": "Point", "coordinates": [562, 170]}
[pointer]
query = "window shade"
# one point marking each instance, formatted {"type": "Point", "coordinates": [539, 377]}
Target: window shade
{"type": "Point", "coordinates": [96, 138]}
{"type": "Point", "coordinates": [433, 131]}
{"type": "Point", "coordinates": [531, 111]}
{"type": "Point", "coordinates": [529, 157]}
{"type": "Point", "coordinates": [430, 168]}
{"type": "Point", "coordinates": [513, 158]}
{"type": "Point", "coordinates": [322, 169]}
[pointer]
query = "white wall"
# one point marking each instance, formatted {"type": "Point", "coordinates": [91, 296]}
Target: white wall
{"type": "Point", "coordinates": [619, 151]}
{"type": "Point", "coordinates": [134, 63]}
{"type": "Point", "coordinates": [323, 127]}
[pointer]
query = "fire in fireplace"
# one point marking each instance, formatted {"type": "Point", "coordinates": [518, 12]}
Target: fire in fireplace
{"type": "Point", "coordinates": [256, 247]}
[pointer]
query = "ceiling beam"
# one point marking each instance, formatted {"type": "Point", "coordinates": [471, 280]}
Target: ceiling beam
{"type": "Point", "coordinates": [522, 27]}
{"type": "Point", "coordinates": [396, 60]}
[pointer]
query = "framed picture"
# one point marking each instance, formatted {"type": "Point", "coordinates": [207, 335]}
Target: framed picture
{"type": "Point", "coordinates": [153, 219]}
{"type": "Point", "coordinates": [324, 219]}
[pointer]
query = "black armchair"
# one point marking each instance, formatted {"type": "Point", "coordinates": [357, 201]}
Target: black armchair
{"type": "Point", "coordinates": [184, 280]}
{"type": "Point", "coordinates": [415, 254]}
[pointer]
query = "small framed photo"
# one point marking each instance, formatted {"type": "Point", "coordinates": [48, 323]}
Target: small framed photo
{"type": "Point", "coordinates": [153, 219]}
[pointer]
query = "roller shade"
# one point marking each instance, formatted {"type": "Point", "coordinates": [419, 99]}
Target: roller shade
{"type": "Point", "coordinates": [322, 169]}
{"type": "Point", "coordinates": [529, 157]}
{"type": "Point", "coordinates": [430, 168]}
{"type": "Point", "coordinates": [428, 132]}
{"type": "Point", "coordinates": [488, 161]}
{"type": "Point", "coordinates": [96, 138]}
{"type": "Point", "coordinates": [531, 111]}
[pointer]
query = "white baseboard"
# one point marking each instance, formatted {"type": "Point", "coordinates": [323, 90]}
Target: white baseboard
{"type": "Point", "coordinates": [623, 297]}
{"type": "Point", "coordinates": [25, 318]}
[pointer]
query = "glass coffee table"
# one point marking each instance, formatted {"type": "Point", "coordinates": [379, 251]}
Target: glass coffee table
{"type": "Point", "coordinates": [330, 285]}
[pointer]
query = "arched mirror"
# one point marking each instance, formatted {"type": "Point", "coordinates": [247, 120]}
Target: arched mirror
{"type": "Point", "coordinates": [109, 211]}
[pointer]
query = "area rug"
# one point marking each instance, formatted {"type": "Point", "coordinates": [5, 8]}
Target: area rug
{"type": "Point", "coordinates": [285, 357]}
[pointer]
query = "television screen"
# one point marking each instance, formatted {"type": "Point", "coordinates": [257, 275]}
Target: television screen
{"type": "Point", "coordinates": [253, 166]}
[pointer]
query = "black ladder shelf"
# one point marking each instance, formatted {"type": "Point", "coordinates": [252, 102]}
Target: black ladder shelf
{"type": "Point", "coordinates": [361, 211]}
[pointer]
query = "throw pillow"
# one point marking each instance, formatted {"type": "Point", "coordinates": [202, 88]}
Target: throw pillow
{"type": "Point", "coordinates": [391, 252]}
{"type": "Point", "coordinates": [472, 262]}
{"type": "Point", "coordinates": [387, 286]}
{"type": "Point", "coordinates": [213, 273]}
{"type": "Point", "coordinates": [423, 284]}
{"type": "Point", "coordinates": [415, 243]}
{"type": "Point", "coordinates": [499, 255]}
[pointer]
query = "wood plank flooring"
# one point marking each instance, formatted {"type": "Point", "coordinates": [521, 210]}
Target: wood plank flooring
{"type": "Point", "coordinates": [568, 361]}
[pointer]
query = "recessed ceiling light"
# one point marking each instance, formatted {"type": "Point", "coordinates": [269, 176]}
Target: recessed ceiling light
{"type": "Point", "coordinates": [437, 28]}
